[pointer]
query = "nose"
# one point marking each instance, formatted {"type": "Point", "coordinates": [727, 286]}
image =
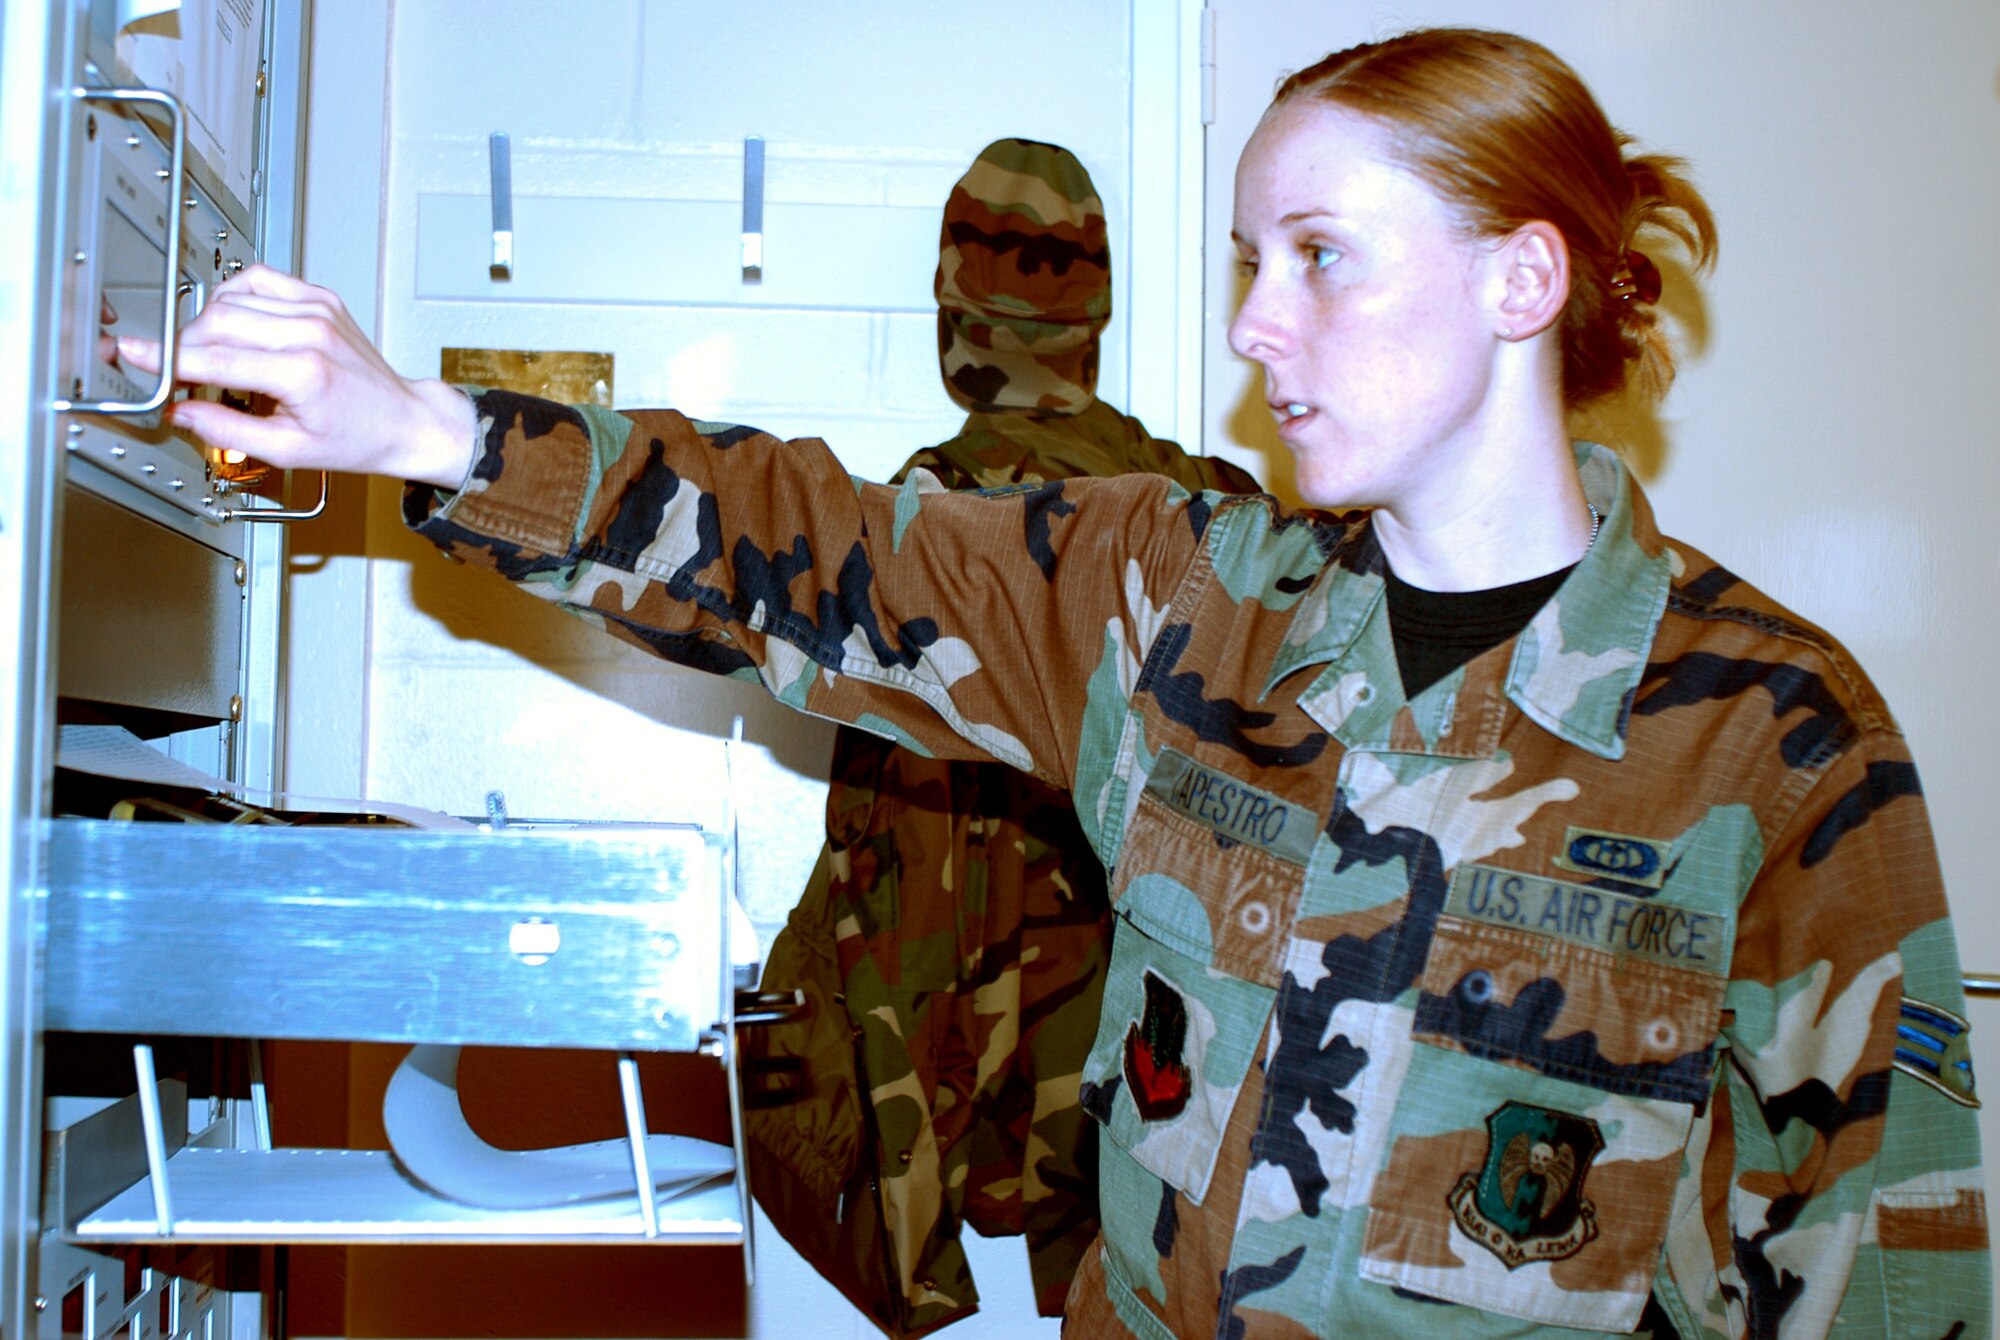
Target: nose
{"type": "Point", "coordinates": [1256, 332]}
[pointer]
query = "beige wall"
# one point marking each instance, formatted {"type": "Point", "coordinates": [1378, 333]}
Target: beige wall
{"type": "Point", "coordinates": [1833, 434]}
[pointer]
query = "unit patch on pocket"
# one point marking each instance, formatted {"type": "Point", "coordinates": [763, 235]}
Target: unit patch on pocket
{"type": "Point", "coordinates": [1526, 1202]}
{"type": "Point", "coordinates": [1935, 1046]}
{"type": "Point", "coordinates": [1156, 1072]}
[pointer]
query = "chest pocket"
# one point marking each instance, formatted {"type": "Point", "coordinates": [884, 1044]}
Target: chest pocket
{"type": "Point", "coordinates": [1174, 1044]}
{"type": "Point", "coordinates": [1207, 884]}
{"type": "Point", "coordinates": [1245, 849]}
{"type": "Point", "coordinates": [1564, 1035]}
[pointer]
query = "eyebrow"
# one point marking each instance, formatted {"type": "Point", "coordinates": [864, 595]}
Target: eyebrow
{"type": "Point", "coordinates": [1296, 216]}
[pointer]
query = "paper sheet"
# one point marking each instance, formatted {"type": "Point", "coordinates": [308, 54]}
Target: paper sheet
{"type": "Point", "coordinates": [430, 1137]}
{"type": "Point", "coordinates": [113, 751]}
{"type": "Point", "coordinates": [208, 58]}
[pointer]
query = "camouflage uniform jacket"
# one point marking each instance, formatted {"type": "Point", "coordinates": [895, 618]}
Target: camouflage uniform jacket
{"type": "Point", "coordinates": [957, 927]}
{"type": "Point", "coordinates": [1609, 984]}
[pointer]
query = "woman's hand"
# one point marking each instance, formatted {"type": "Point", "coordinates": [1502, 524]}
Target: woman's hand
{"type": "Point", "coordinates": [339, 406]}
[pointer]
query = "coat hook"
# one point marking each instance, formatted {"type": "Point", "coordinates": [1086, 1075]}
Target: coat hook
{"type": "Point", "coordinates": [502, 266]}
{"type": "Point", "coordinates": [753, 209]}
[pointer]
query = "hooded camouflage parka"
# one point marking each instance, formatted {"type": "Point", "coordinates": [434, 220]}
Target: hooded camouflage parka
{"type": "Point", "coordinates": [953, 938]}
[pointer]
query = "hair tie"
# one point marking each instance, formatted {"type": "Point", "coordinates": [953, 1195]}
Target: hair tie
{"type": "Point", "coordinates": [1637, 279]}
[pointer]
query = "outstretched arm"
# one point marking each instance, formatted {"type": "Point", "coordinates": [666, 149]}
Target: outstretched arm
{"type": "Point", "coordinates": [1008, 627]}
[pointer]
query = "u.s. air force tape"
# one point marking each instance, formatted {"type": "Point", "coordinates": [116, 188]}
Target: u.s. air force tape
{"type": "Point", "coordinates": [1233, 809]}
{"type": "Point", "coordinates": [1682, 937]}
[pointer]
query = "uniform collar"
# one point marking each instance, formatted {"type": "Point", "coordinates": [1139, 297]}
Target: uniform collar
{"type": "Point", "coordinates": [1573, 670]}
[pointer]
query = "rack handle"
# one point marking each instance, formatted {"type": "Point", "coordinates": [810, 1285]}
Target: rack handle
{"type": "Point", "coordinates": [176, 185]}
{"type": "Point", "coordinates": [258, 515]}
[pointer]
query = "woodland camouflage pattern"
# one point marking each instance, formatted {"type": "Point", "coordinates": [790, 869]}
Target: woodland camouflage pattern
{"type": "Point", "coordinates": [957, 925]}
{"type": "Point", "coordinates": [1589, 990]}
{"type": "Point", "coordinates": [1023, 281]}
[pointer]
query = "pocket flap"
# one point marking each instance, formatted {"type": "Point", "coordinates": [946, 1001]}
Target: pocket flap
{"type": "Point", "coordinates": [1174, 1042]}
{"type": "Point", "coordinates": [1539, 973]}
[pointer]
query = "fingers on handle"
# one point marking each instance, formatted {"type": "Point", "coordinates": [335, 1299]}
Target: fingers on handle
{"type": "Point", "coordinates": [228, 429]}
{"type": "Point", "coordinates": [257, 327]}
{"type": "Point", "coordinates": [286, 375]}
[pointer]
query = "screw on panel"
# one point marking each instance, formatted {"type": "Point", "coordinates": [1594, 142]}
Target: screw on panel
{"type": "Point", "coordinates": [79, 258]}
{"type": "Point", "coordinates": [41, 1303]}
{"type": "Point", "coordinates": [90, 127]}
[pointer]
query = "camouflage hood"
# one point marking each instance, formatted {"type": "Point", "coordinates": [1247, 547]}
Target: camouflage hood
{"type": "Point", "coordinates": [1023, 281]}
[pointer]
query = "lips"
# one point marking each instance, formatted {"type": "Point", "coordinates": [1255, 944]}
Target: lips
{"type": "Point", "coordinates": [1291, 416]}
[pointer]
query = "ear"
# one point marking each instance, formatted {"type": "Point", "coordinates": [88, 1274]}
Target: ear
{"type": "Point", "coordinates": [1533, 272]}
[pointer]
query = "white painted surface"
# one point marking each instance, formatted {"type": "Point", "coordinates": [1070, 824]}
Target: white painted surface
{"type": "Point", "coordinates": [1832, 437]}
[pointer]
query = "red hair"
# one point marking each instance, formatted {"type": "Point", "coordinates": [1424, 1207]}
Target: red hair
{"type": "Point", "coordinates": [1503, 130]}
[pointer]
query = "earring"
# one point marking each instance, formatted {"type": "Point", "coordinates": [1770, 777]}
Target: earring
{"type": "Point", "coordinates": [1506, 332]}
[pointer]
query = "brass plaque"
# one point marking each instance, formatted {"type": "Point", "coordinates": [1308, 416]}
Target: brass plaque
{"type": "Point", "coordinates": [571, 376]}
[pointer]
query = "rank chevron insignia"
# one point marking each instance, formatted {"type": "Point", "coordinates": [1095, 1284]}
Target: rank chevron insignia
{"type": "Point", "coordinates": [1526, 1202]}
{"type": "Point", "coordinates": [1156, 1072]}
{"type": "Point", "coordinates": [1935, 1046]}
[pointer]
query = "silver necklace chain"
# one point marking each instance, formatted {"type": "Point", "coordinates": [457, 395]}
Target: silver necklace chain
{"type": "Point", "coordinates": [1596, 524]}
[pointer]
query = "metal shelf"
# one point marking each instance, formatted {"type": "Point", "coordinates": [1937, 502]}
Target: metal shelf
{"type": "Point", "coordinates": [351, 1195]}
{"type": "Point", "coordinates": [598, 938]}
{"type": "Point", "coordinates": [605, 938]}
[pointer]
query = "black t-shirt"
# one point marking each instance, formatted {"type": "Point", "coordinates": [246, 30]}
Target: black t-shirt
{"type": "Point", "coordinates": [1438, 631]}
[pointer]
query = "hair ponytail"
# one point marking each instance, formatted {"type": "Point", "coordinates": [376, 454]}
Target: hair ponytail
{"type": "Point", "coordinates": [1504, 130]}
{"type": "Point", "coordinates": [1664, 204]}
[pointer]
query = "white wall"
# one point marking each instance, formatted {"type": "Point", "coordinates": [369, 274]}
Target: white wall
{"type": "Point", "coordinates": [1833, 436]}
